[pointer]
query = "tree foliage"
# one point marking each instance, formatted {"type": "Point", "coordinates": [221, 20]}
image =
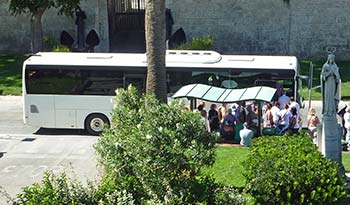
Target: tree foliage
{"type": "Point", "coordinates": [65, 7]}
{"type": "Point", "coordinates": [36, 9]}
{"type": "Point", "coordinates": [155, 151]}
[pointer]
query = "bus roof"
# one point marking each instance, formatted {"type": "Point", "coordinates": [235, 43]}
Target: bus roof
{"type": "Point", "coordinates": [174, 58]}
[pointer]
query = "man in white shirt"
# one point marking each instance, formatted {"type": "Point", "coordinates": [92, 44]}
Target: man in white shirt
{"type": "Point", "coordinates": [275, 111]}
{"type": "Point", "coordinates": [246, 135]}
{"type": "Point", "coordinates": [293, 103]}
{"type": "Point", "coordinates": [347, 125]}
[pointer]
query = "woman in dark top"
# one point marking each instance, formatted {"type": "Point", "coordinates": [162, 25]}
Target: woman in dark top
{"type": "Point", "coordinates": [213, 118]}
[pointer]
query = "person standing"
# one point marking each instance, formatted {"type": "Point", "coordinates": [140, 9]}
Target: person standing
{"type": "Point", "coordinates": [341, 111]}
{"type": "Point", "coordinates": [205, 119]}
{"type": "Point", "coordinates": [284, 123]}
{"type": "Point", "coordinates": [213, 118]}
{"type": "Point", "coordinates": [251, 119]}
{"type": "Point", "coordinates": [312, 122]}
{"type": "Point", "coordinates": [228, 126]}
{"type": "Point", "coordinates": [222, 112]}
{"type": "Point", "coordinates": [275, 110]}
{"type": "Point", "coordinates": [295, 104]}
{"type": "Point", "coordinates": [293, 120]}
{"type": "Point", "coordinates": [283, 100]}
{"type": "Point", "coordinates": [230, 119]}
{"type": "Point", "coordinates": [201, 106]}
{"type": "Point", "coordinates": [347, 125]}
{"type": "Point", "coordinates": [268, 118]}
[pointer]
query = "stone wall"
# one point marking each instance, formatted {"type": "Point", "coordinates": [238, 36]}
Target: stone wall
{"type": "Point", "coordinates": [302, 28]}
{"type": "Point", "coordinates": [271, 27]}
{"type": "Point", "coordinates": [15, 30]}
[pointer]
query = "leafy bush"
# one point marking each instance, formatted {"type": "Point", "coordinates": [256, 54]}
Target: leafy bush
{"type": "Point", "coordinates": [229, 195]}
{"type": "Point", "coordinates": [56, 190]}
{"type": "Point", "coordinates": [290, 170]}
{"type": "Point", "coordinates": [155, 151]}
{"type": "Point", "coordinates": [61, 48]}
{"type": "Point", "coordinates": [51, 44]}
{"type": "Point", "coordinates": [199, 43]}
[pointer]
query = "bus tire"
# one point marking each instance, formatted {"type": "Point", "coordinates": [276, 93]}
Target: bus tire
{"type": "Point", "coordinates": [94, 123]}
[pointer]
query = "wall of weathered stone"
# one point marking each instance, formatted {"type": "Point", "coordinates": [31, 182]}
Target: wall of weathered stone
{"type": "Point", "coordinates": [15, 30]}
{"type": "Point", "coordinates": [302, 28]}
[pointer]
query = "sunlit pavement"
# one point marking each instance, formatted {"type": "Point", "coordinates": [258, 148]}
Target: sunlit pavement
{"type": "Point", "coordinates": [26, 152]}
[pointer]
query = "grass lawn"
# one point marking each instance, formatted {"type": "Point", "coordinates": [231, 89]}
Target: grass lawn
{"type": "Point", "coordinates": [228, 168]}
{"type": "Point", "coordinates": [11, 74]}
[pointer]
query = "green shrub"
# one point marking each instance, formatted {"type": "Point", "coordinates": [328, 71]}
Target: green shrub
{"type": "Point", "coordinates": [61, 48]}
{"type": "Point", "coordinates": [199, 43]}
{"type": "Point", "coordinates": [155, 151]}
{"type": "Point", "coordinates": [56, 190]}
{"type": "Point", "coordinates": [51, 44]}
{"type": "Point", "coordinates": [290, 170]}
{"type": "Point", "coordinates": [109, 193]}
{"type": "Point", "coordinates": [229, 195]}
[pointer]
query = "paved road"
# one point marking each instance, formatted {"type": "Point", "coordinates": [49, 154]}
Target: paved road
{"type": "Point", "coordinates": [11, 116]}
{"type": "Point", "coordinates": [27, 152]}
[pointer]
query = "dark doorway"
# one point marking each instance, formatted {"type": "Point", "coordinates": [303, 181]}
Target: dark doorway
{"type": "Point", "coordinates": [127, 25]}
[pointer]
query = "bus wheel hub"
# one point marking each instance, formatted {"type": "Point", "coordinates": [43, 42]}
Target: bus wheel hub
{"type": "Point", "coordinates": [97, 124]}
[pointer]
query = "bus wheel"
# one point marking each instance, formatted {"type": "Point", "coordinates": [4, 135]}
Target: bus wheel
{"type": "Point", "coordinates": [94, 123]}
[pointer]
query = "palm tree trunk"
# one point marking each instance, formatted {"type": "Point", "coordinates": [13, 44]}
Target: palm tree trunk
{"type": "Point", "coordinates": [37, 31]}
{"type": "Point", "coordinates": [155, 48]}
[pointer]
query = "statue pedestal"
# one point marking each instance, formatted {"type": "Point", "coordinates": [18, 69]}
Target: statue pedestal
{"type": "Point", "coordinates": [331, 143]}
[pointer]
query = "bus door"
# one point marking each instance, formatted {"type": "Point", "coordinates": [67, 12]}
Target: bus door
{"type": "Point", "coordinates": [138, 81]}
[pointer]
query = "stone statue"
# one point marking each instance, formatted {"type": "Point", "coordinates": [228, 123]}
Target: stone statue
{"type": "Point", "coordinates": [81, 16]}
{"type": "Point", "coordinates": [330, 80]}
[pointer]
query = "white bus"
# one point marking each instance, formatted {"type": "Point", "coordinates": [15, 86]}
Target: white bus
{"type": "Point", "coordinates": [75, 90]}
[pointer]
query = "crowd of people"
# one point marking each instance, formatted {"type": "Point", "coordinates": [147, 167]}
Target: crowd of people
{"type": "Point", "coordinates": [241, 119]}
{"type": "Point", "coordinates": [238, 120]}
{"type": "Point", "coordinates": [283, 115]}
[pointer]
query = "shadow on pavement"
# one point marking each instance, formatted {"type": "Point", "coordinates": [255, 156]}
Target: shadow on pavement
{"type": "Point", "coordinates": [51, 131]}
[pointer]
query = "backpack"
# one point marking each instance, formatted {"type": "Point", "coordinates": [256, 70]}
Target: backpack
{"type": "Point", "coordinates": [292, 121]}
